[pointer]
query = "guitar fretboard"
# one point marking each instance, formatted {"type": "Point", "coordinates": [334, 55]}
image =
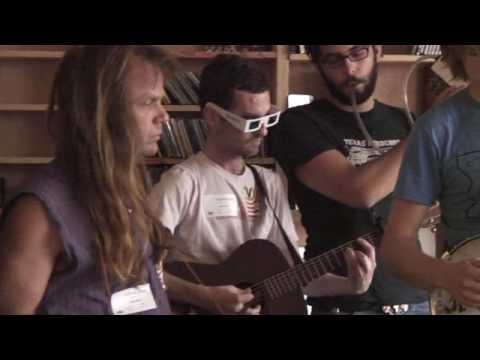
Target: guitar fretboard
{"type": "Point", "coordinates": [302, 274]}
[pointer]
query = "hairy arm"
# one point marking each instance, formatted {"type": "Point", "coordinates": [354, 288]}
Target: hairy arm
{"type": "Point", "coordinates": [332, 175]}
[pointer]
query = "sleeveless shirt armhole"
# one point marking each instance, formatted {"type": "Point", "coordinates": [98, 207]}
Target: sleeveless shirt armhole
{"type": "Point", "coordinates": [52, 215]}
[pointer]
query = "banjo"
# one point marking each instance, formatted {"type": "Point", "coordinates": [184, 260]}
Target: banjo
{"type": "Point", "coordinates": [441, 301]}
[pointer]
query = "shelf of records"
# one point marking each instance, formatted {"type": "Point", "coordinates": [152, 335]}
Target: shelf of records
{"type": "Point", "coordinates": [392, 53]}
{"type": "Point", "coordinates": [297, 52]}
{"type": "Point", "coordinates": [181, 138]}
{"type": "Point", "coordinates": [205, 52]}
{"type": "Point", "coordinates": [44, 107]}
{"type": "Point", "coordinates": [182, 89]}
{"type": "Point", "coordinates": [181, 95]}
{"type": "Point", "coordinates": [388, 58]}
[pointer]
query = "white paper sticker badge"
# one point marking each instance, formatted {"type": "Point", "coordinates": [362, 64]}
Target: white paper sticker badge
{"type": "Point", "coordinates": [133, 300]}
{"type": "Point", "coordinates": [222, 206]}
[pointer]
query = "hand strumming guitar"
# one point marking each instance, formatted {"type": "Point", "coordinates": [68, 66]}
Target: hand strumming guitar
{"type": "Point", "coordinates": [462, 280]}
{"type": "Point", "coordinates": [229, 300]}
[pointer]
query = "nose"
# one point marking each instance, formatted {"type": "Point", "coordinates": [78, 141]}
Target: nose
{"type": "Point", "coordinates": [349, 67]}
{"type": "Point", "coordinates": [162, 115]}
{"type": "Point", "coordinates": [263, 131]}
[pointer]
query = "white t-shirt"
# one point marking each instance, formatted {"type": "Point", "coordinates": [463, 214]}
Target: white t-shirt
{"type": "Point", "coordinates": [211, 212]}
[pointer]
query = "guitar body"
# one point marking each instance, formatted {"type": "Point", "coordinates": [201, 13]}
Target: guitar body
{"type": "Point", "coordinates": [251, 263]}
{"type": "Point", "coordinates": [442, 302]}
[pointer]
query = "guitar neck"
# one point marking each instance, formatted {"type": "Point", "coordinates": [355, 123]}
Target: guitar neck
{"type": "Point", "coordinates": [302, 274]}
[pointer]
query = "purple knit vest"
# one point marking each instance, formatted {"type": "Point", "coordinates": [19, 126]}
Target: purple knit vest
{"type": "Point", "coordinates": [80, 289]}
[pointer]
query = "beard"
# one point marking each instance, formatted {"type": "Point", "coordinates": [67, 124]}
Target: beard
{"type": "Point", "coordinates": [361, 95]}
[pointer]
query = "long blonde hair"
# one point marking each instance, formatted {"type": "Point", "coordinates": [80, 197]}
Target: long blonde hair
{"type": "Point", "coordinates": [98, 146]}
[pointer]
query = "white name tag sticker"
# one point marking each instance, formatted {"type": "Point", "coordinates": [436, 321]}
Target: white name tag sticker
{"type": "Point", "coordinates": [133, 300]}
{"type": "Point", "coordinates": [222, 206]}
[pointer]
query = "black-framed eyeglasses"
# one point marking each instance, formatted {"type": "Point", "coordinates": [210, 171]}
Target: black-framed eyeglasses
{"type": "Point", "coordinates": [356, 54]}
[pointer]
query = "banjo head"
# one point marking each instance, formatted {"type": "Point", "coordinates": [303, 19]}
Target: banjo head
{"type": "Point", "coordinates": [441, 301]}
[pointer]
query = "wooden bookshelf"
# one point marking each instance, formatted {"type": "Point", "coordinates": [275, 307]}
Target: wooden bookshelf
{"type": "Point", "coordinates": [14, 160]}
{"type": "Point", "coordinates": [267, 55]}
{"type": "Point", "coordinates": [25, 93]}
{"type": "Point", "coordinates": [182, 108]}
{"type": "Point", "coordinates": [31, 54]}
{"type": "Point", "coordinates": [46, 54]}
{"type": "Point", "coordinates": [44, 107]}
{"type": "Point", "coordinates": [24, 107]}
{"type": "Point", "coordinates": [406, 59]}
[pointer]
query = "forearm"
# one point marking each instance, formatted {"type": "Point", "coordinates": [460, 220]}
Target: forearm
{"type": "Point", "coordinates": [377, 179]}
{"type": "Point", "coordinates": [334, 176]}
{"type": "Point", "coordinates": [329, 285]}
{"type": "Point", "coordinates": [186, 292]}
{"type": "Point", "coordinates": [410, 263]}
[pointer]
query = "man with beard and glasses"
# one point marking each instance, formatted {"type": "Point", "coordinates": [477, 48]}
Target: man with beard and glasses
{"type": "Point", "coordinates": [342, 166]}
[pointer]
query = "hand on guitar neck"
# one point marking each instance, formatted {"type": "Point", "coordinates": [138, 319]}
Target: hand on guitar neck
{"type": "Point", "coordinates": [361, 264]}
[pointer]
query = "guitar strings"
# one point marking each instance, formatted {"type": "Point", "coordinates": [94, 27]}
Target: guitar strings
{"type": "Point", "coordinates": [258, 289]}
{"type": "Point", "coordinates": [294, 277]}
{"type": "Point", "coordinates": [296, 273]}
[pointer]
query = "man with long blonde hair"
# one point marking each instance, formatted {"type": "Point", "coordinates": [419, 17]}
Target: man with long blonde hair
{"type": "Point", "coordinates": [79, 238]}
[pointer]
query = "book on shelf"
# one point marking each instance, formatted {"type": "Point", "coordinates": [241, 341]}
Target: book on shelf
{"type": "Point", "coordinates": [441, 69]}
{"type": "Point", "coordinates": [186, 142]}
{"type": "Point", "coordinates": [182, 89]}
{"type": "Point", "coordinates": [187, 87]}
{"type": "Point", "coordinates": [426, 50]}
{"type": "Point", "coordinates": [297, 49]}
{"type": "Point", "coordinates": [439, 79]}
{"type": "Point", "coordinates": [236, 48]}
{"type": "Point", "coordinates": [169, 141]}
{"type": "Point", "coordinates": [182, 138]}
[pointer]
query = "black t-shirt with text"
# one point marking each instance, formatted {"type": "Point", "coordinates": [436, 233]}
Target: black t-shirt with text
{"type": "Point", "coordinates": [307, 131]}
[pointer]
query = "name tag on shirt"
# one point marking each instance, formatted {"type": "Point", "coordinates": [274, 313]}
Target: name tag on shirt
{"type": "Point", "coordinates": [133, 300]}
{"type": "Point", "coordinates": [222, 206]}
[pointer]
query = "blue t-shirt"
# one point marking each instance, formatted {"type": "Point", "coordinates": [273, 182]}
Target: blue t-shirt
{"type": "Point", "coordinates": [442, 162]}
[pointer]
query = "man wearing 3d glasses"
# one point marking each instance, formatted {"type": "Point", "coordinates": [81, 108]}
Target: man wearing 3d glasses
{"type": "Point", "coordinates": [212, 203]}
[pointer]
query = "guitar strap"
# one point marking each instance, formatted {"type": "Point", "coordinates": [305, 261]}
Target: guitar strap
{"type": "Point", "coordinates": [258, 181]}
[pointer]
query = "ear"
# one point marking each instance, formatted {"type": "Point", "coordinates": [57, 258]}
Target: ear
{"type": "Point", "coordinates": [210, 116]}
{"type": "Point", "coordinates": [378, 51]}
